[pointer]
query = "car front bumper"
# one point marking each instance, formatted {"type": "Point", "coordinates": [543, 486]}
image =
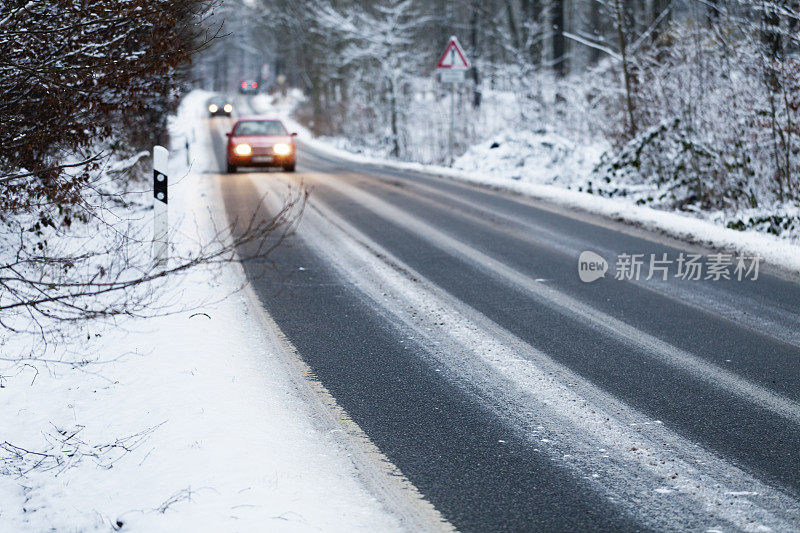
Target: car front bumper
{"type": "Point", "coordinates": [261, 160]}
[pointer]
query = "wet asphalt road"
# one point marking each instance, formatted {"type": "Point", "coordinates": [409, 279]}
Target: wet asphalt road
{"type": "Point", "coordinates": [716, 363]}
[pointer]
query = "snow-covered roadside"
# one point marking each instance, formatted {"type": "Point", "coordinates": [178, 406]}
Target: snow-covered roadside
{"type": "Point", "coordinates": [769, 248]}
{"type": "Point", "coordinates": [219, 436]}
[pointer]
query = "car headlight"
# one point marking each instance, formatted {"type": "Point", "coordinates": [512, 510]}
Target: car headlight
{"type": "Point", "coordinates": [243, 149]}
{"type": "Point", "coordinates": [282, 149]}
{"type": "Point", "coordinates": [228, 108]}
{"type": "Point", "coordinates": [213, 108]}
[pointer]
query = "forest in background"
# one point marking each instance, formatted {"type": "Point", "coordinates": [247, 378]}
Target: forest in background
{"type": "Point", "coordinates": [697, 100]}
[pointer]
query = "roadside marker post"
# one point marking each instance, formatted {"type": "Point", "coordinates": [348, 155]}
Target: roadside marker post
{"type": "Point", "coordinates": [452, 67]}
{"type": "Point", "coordinates": [160, 204]}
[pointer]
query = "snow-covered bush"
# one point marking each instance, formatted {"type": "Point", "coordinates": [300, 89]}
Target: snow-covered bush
{"type": "Point", "coordinates": [679, 169]}
{"type": "Point", "coordinates": [717, 121]}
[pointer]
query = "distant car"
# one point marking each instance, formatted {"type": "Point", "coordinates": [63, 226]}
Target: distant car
{"type": "Point", "coordinates": [248, 87]}
{"type": "Point", "coordinates": [219, 107]}
{"type": "Point", "coordinates": [260, 142]}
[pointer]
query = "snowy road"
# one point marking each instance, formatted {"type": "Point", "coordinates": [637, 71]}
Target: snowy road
{"type": "Point", "coordinates": [450, 324]}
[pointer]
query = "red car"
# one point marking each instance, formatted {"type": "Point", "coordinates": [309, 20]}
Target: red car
{"type": "Point", "coordinates": [260, 142]}
{"type": "Point", "coordinates": [248, 87]}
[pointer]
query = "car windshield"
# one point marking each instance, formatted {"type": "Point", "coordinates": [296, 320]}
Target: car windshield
{"type": "Point", "coordinates": [260, 127]}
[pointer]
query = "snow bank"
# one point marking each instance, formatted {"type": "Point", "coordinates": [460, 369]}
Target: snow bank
{"type": "Point", "coordinates": [189, 422]}
{"type": "Point", "coordinates": [535, 157]}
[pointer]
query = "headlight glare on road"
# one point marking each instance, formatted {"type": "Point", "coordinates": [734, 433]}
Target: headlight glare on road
{"type": "Point", "coordinates": [213, 108]}
{"type": "Point", "coordinates": [243, 149]}
{"type": "Point", "coordinates": [282, 149]}
{"type": "Point", "coordinates": [228, 108]}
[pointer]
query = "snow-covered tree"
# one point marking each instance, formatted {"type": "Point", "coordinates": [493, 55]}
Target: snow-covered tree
{"type": "Point", "coordinates": [697, 98]}
{"type": "Point", "coordinates": [378, 47]}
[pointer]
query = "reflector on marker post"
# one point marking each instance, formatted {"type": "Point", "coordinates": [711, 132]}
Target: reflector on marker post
{"type": "Point", "coordinates": [160, 203]}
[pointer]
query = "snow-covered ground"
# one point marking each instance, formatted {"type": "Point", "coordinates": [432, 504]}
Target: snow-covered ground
{"type": "Point", "coordinates": [535, 157]}
{"type": "Point", "coordinates": [549, 167]}
{"type": "Point", "coordinates": [192, 421]}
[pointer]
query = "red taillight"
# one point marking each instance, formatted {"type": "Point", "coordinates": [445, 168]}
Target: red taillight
{"type": "Point", "coordinates": [244, 85]}
{"type": "Point", "coordinates": [255, 85]}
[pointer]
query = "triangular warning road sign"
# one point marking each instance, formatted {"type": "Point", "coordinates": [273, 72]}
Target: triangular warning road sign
{"type": "Point", "coordinates": [453, 56]}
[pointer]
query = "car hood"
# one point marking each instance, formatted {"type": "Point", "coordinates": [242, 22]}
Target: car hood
{"type": "Point", "coordinates": [261, 141]}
